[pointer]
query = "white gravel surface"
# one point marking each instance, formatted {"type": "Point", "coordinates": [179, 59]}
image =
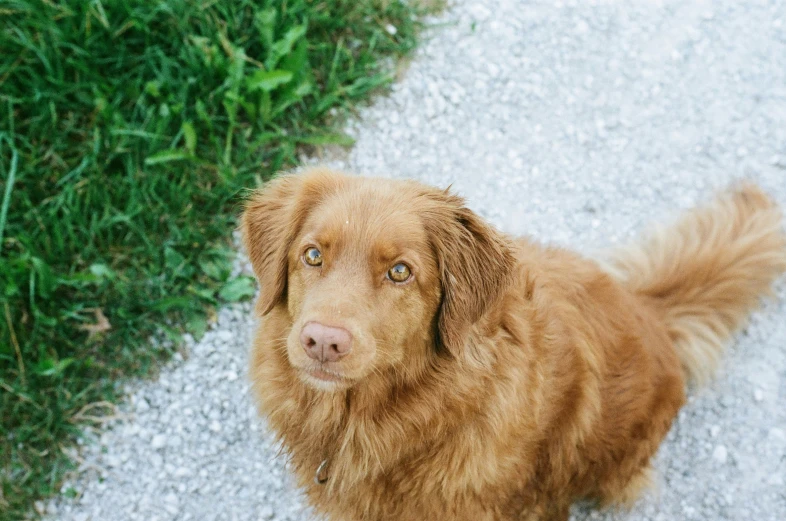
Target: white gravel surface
{"type": "Point", "coordinates": [573, 121]}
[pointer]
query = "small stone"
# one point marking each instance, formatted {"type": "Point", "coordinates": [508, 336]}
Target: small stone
{"type": "Point", "coordinates": [720, 454]}
{"type": "Point", "coordinates": [391, 29]}
{"type": "Point", "coordinates": [758, 395]}
{"type": "Point", "coordinates": [171, 503]}
{"type": "Point", "coordinates": [156, 460]}
{"type": "Point", "coordinates": [777, 434]}
{"type": "Point", "coordinates": [266, 512]}
{"type": "Point", "coordinates": [159, 441]}
{"type": "Point", "coordinates": [215, 426]}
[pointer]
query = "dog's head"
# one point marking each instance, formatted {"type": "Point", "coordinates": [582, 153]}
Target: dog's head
{"type": "Point", "coordinates": [377, 276]}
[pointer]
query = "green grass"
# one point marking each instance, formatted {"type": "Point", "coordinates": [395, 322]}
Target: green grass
{"type": "Point", "coordinates": [128, 130]}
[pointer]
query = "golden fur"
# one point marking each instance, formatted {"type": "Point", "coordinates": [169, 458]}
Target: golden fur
{"type": "Point", "coordinates": [506, 379]}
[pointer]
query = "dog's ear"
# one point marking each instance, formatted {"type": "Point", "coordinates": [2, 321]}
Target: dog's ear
{"type": "Point", "coordinates": [272, 218]}
{"type": "Point", "coordinates": [475, 265]}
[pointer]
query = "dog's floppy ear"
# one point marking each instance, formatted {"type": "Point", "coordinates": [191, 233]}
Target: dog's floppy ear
{"type": "Point", "coordinates": [475, 265]}
{"type": "Point", "coordinates": [272, 218]}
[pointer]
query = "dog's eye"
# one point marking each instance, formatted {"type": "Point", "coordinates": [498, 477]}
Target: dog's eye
{"type": "Point", "coordinates": [312, 257]}
{"type": "Point", "coordinates": [399, 273]}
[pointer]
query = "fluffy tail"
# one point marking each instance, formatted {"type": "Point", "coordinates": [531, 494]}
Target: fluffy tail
{"type": "Point", "coordinates": [707, 272]}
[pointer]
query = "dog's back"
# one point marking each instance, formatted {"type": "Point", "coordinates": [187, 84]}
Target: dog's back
{"type": "Point", "coordinates": [707, 272]}
{"type": "Point", "coordinates": [697, 281]}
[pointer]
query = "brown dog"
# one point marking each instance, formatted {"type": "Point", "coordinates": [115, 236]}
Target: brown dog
{"type": "Point", "coordinates": [419, 365]}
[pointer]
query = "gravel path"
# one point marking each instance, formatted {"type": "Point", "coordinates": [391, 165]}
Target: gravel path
{"type": "Point", "coordinates": [573, 121]}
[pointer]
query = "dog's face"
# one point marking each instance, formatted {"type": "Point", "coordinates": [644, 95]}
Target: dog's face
{"type": "Point", "coordinates": [362, 286]}
{"type": "Point", "coordinates": [376, 276]}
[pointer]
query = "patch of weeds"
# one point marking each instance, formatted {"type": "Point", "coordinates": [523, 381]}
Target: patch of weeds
{"type": "Point", "coordinates": [127, 131]}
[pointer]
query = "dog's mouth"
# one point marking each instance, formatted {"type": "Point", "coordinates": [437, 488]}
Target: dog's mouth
{"type": "Point", "coordinates": [324, 375]}
{"type": "Point", "coordinates": [324, 379]}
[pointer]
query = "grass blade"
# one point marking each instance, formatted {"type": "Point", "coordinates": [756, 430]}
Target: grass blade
{"type": "Point", "coordinates": [9, 187]}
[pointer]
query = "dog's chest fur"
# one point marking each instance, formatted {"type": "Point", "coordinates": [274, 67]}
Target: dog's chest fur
{"type": "Point", "coordinates": [443, 447]}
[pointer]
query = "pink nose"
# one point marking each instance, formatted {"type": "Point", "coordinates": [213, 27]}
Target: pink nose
{"type": "Point", "coordinates": [324, 343]}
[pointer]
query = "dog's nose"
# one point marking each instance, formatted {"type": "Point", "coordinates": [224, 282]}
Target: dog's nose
{"type": "Point", "coordinates": [324, 343]}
